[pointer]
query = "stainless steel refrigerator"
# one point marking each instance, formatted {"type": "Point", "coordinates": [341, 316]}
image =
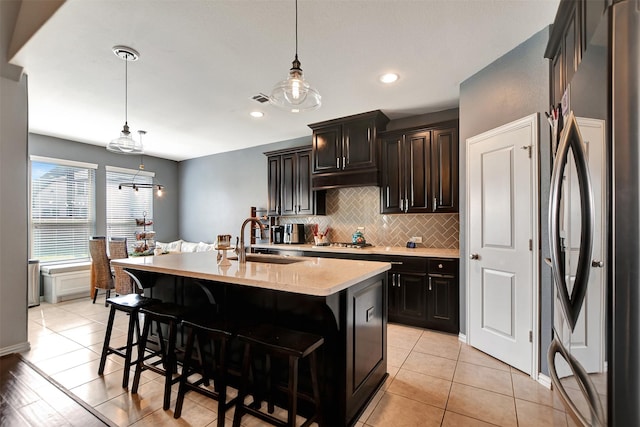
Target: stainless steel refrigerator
{"type": "Point", "coordinates": [606, 89]}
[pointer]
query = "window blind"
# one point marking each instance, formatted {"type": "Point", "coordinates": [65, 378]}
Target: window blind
{"type": "Point", "coordinates": [62, 210]}
{"type": "Point", "coordinates": [126, 204]}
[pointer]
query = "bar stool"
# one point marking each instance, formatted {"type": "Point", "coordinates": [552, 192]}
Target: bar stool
{"type": "Point", "coordinates": [206, 327]}
{"type": "Point", "coordinates": [286, 344]}
{"type": "Point", "coordinates": [130, 304]}
{"type": "Point", "coordinates": [162, 313]}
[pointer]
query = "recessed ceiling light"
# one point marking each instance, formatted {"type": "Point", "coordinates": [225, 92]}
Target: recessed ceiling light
{"type": "Point", "coordinates": [256, 114]}
{"type": "Point", "coordinates": [389, 78]}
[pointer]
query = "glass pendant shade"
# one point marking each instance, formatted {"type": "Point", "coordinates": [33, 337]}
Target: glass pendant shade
{"type": "Point", "coordinates": [125, 144]}
{"type": "Point", "coordinates": [295, 94]}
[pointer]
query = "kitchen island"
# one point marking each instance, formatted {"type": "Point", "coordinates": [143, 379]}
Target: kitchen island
{"type": "Point", "coordinates": [345, 301]}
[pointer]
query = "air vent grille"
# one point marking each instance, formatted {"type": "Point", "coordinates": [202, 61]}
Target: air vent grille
{"type": "Point", "coordinates": [261, 98]}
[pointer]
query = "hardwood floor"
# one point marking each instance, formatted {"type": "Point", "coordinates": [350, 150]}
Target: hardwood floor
{"type": "Point", "coordinates": [28, 398]}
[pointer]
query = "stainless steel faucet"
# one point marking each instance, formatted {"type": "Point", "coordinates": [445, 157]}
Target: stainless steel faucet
{"type": "Point", "coordinates": [242, 254]}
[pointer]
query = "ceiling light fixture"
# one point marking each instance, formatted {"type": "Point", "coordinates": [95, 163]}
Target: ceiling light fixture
{"type": "Point", "coordinates": [389, 78]}
{"type": "Point", "coordinates": [138, 185]}
{"type": "Point", "coordinates": [257, 114]}
{"type": "Point", "coordinates": [125, 144]}
{"type": "Point", "coordinates": [294, 94]}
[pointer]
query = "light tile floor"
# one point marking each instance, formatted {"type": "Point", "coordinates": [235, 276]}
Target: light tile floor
{"type": "Point", "coordinates": [434, 379]}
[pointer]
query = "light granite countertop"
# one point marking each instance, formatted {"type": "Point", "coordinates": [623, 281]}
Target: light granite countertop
{"type": "Point", "coordinates": [309, 276]}
{"type": "Point", "coordinates": [377, 250]}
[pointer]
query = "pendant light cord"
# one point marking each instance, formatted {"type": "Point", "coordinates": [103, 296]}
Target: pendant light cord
{"type": "Point", "coordinates": [126, 85]}
{"type": "Point", "coordinates": [296, 28]}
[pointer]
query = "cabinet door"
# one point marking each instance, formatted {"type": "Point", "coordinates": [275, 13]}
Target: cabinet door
{"type": "Point", "coordinates": [305, 196]}
{"type": "Point", "coordinates": [273, 184]}
{"type": "Point", "coordinates": [444, 170]}
{"type": "Point", "coordinates": [392, 189]}
{"type": "Point", "coordinates": [327, 149]}
{"type": "Point", "coordinates": [412, 298]}
{"type": "Point", "coordinates": [289, 191]}
{"type": "Point", "coordinates": [417, 158]}
{"type": "Point", "coordinates": [359, 148]}
{"type": "Point", "coordinates": [442, 309]}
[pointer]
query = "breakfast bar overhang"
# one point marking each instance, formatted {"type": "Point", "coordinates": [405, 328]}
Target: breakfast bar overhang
{"type": "Point", "coordinates": [345, 301]}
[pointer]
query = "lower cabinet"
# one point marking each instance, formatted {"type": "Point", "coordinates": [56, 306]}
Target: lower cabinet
{"type": "Point", "coordinates": [422, 292]}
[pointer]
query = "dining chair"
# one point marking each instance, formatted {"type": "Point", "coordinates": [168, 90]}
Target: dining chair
{"type": "Point", "coordinates": [101, 277]}
{"type": "Point", "coordinates": [122, 281]}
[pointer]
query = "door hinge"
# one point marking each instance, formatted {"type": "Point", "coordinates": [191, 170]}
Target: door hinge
{"type": "Point", "coordinates": [528, 148]}
{"type": "Point", "coordinates": [530, 244]}
{"type": "Point", "coordinates": [530, 336]}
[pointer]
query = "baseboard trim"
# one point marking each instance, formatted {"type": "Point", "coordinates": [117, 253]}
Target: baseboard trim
{"type": "Point", "coordinates": [462, 337]}
{"type": "Point", "coordinates": [544, 380]}
{"type": "Point", "coordinates": [17, 348]}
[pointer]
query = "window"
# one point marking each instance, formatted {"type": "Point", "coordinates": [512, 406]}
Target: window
{"type": "Point", "coordinates": [62, 209]}
{"type": "Point", "coordinates": [126, 205]}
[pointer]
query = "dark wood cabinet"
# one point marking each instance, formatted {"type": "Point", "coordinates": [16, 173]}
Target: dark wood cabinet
{"type": "Point", "coordinates": [422, 292]}
{"type": "Point", "coordinates": [420, 170]}
{"type": "Point", "coordinates": [345, 150]}
{"type": "Point", "coordinates": [574, 25]}
{"type": "Point", "coordinates": [442, 290]}
{"type": "Point", "coordinates": [289, 184]}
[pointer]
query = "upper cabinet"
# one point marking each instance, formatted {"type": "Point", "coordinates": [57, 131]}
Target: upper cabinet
{"type": "Point", "coordinates": [345, 151]}
{"type": "Point", "coordinates": [289, 184]}
{"type": "Point", "coordinates": [420, 170]}
{"type": "Point", "coordinates": [574, 25]}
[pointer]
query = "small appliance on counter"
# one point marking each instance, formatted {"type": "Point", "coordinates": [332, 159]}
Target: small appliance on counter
{"type": "Point", "coordinates": [278, 234]}
{"type": "Point", "coordinates": [294, 233]}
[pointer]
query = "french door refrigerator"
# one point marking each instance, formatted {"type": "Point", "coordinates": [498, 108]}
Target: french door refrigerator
{"type": "Point", "coordinates": [605, 88]}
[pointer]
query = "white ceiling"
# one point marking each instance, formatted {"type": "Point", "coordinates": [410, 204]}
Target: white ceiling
{"type": "Point", "coordinates": [201, 61]}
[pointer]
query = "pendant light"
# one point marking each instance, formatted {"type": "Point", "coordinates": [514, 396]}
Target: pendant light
{"type": "Point", "coordinates": [294, 94]}
{"type": "Point", "coordinates": [138, 185]}
{"type": "Point", "coordinates": [125, 144]}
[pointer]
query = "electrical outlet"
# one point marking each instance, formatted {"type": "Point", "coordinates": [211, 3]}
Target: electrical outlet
{"type": "Point", "coordinates": [416, 239]}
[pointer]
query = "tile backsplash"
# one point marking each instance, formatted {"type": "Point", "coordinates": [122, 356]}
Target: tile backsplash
{"type": "Point", "coordinates": [353, 207]}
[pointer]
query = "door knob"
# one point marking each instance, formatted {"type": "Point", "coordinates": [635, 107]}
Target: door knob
{"type": "Point", "coordinates": [597, 264]}
{"type": "Point", "coordinates": [474, 256]}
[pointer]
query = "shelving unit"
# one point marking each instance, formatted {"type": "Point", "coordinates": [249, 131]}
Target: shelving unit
{"type": "Point", "coordinates": [145, 239]}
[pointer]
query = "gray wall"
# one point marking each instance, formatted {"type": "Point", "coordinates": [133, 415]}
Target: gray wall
{"type": "Point", "coordinates": [13, 193]}
{"type": "Point", "coordinates": [165, 208]}
{"type": "Point", "coordinates": [217, 191]}
{"type": "Point", "coordinates": [514, 86]}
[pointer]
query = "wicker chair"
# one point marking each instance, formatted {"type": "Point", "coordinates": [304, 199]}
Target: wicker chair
{"type": "Point", "coordinates": [100, 267]}
{"type": "Point", "coordinates": [118, 250]}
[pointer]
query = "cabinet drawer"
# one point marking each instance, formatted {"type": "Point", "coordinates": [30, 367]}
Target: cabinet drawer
{"type": "Point", "coordinates": [408, 264]}
{"type": "Point", "coordinates": [443, 266]}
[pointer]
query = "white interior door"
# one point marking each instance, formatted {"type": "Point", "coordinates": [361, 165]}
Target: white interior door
{"type": "Point", "coordinates": [586, 343]}
{"type": "Point", "coordinates": [501, 221]}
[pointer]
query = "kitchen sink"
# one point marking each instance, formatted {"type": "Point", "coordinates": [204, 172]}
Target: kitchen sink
{"type": "Point", "coordinates": [269, 259]}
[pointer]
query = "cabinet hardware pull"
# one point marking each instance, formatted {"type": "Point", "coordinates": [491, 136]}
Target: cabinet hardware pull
{"type": "Point", "coordinates": [398, 279]}
{"type": "Point", "coordinates": [597, 264]}
{"type": "Point", "coordinates": [435, 203]}
{"type": "Point", "coordinates": [406, 205]}
{"type": "Point", "coordinates": [429, 283]}
{"type": "Point", "coordinates": [338, 163]}
{"type": "Point", "coordinates": [396, 262]}
{"type": "Point", "coordinates": [344, 162]}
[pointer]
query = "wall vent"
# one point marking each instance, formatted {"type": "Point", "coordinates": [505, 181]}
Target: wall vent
{"type": "Point", "coordinates": [261, 98]}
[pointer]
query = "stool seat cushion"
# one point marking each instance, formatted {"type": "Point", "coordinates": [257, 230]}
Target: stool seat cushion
{"type": "Point", "coordinates": [132, 301]}
{"type": "Point", "coordinates": [282, 340]}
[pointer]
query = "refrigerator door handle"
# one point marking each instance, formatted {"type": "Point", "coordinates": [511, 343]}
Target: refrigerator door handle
{"type": "Point", "coordinates": [587, 387]}
{"type": "Point", "coordinates": [571, 140]}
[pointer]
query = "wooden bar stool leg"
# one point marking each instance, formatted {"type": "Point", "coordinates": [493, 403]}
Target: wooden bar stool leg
{"type": "Point", "coordinates": [107, 339]}
{"type": "Point", "coordinates": [133, 325]}
{"type": "Point", "coordinates": [293, 391]}
{"type": "Point", "coordinates": [313, 364]}
{"type": "Point", "coordinates": [142, 344]}
{"type": "Point", "coordinates": [171, 362]}
{"type": "Point", "coordinates": [182, 390]}
{"type": "Point", "coordinates": [244, 384]}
